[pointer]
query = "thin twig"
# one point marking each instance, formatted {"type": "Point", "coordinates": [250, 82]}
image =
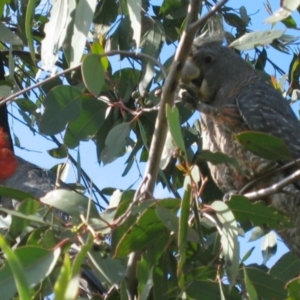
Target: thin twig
{"type": "Point", "coordinates": [275, 188]}
{"type": "Point", "coordinates": [268, 174]}
{"type": "Point", "coordinates": [195, 26]}
{"type": "Point", "coordinates": [109, 53]}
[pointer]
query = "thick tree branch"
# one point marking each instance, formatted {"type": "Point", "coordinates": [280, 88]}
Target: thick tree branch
{"type": "Point", "coordinates": [161, 126]}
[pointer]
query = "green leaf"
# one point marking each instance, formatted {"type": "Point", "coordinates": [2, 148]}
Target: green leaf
{"type": "Point", "coordinates": [289, 22]}
{"type": "Point", "coordinates": [63, 279]}
{"type": "Point", "coordinates": [98, 49]}
{"type": "Point", "coordinates": [59, 152]}
{"type": "Point", "coordinates": [247, 255]}
{"type": "Point", "coordinates": [143, 231]}
{"type": "Point", "coordinates": [92, 73]}
{"type": "Point", "coordinates": [145, 274]}
{"type": "Point", "coordinates": [127, 80]}
{"type": "Point", "coordinates": [294, 68]}
{"type": "Point", "coordinates": [142, 234]}
{"type": "Point", "coordinates": [182, 234]}
{"type": "Point", "coordinates": [234, 20]}
{"type": "Point", "coordinates": [26, 105]}
{"type": "Point", "coordinates": [5, 89]}
{"type": "Point", "coordinates": [171, 221]}
{"type": "Point", "coordinates": [264, 145]}
{"type": "Point", "coordinates": [109, 270]}
{"type": "Point", "coordinates": [258, 213]}
{"type": "Point", "coordinates": [244, 15]}
{"type": "Point", "coordinates": [229, 239]}
{"type": "Point", "coordinates": [81, 255]}
{"type": "Point", "coordinates": [62, 105]}
{"type": "Point", "coordinates": [251, 292]}
{"type": "Point", "coordinates": [7, 35]}
{"type": "Point", "coordinates": [208, 290]}
{"type": "Point", "coordinates": [122, 34]}
{"type": "Point", "coordinates": [115, 143]}
{"type": "Point", "coordinates": [18, 195]}
{"type": "Point", "coordinates": [106, 12]}
{"type": "Point", "coordinates": [257, 38]}
{"type": "Point", "coordinates": [152, 42]}
{"type": "Point", "coordinates": [26, 207]}
{"type": "Point", "coordinates": [293, 287]}
{"type": "Point", "coordinates": [160, 277]}
{"type": "Point", "coordinates": [265, 285]}
{"type": "Point", "coordinates": [37, 263]}
{"type": "Point", "coordinates": [17, 271]}
{"type": "Point", "coordinates": [218, 158]}
{"type": "Point", "coordinates": [26, 217]}
{"type": "Point", "coordinates": [261, 60]}
{"type": "Point", "coordinates": [286, 268]}
{"type": "Point", "coordinates": [87, 124]}
{"type": "Point", "coordinates": [28, 28]}
{"type": "Point", "coordinates": [175, 129]}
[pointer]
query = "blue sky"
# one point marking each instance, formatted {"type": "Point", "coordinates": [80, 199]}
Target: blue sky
{"type": "Point", "coordinates": [35, 146]}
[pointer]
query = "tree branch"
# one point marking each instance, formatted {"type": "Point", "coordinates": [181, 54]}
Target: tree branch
{"type": "Point", "coordinates": [161, 126]}
{"type": "Point", "coordinates": [109, 53]}
{"type": "Point", "coordinates": [269, 174]}
{"type": "Point", "coordinates": [277, 187]}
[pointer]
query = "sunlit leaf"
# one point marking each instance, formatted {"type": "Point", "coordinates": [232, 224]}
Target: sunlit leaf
{"type": "Point", "coordinates": [70, 202]}
{"type": "Point", "coordinates": [268, 246]}
{"type": "Point", "coordinates": [229, 239]}
{"type": "Point", "coordinates": [54, 31]}
{"type": "Point", "coordinates": [256, 233]}
{"type": "Point", "coordinates": [134, 9]}
{"type": "Point", "coordinates": [287, 7]}
{"type": "Point", "coordinates": [257, 38]}
{"type": "Point", "coordinates": [82, 22]}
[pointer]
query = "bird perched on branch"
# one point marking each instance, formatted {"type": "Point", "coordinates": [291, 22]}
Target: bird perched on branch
{"type": "Point", "coordinates": [233, 98]}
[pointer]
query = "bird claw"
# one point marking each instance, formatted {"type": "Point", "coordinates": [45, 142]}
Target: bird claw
{"type": "Point", "coordinates": [189, 95]}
